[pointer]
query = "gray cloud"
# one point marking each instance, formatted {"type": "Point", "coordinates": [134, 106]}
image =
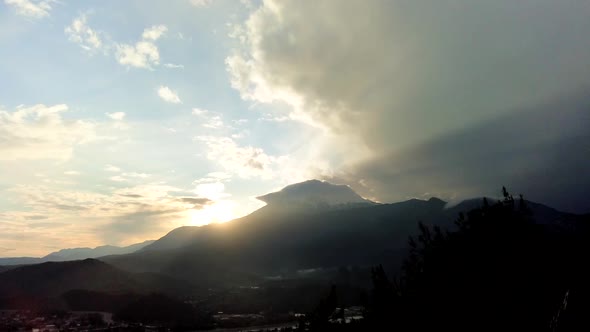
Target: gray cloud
{"type": "Point", "coordinates": [36, 217]}
{"type": "Point", "coordinates": [432, 88]}
{"type": "Point", "coordinates": [198, 202]}
{"type": "Point", "coordinates": [69, 207]}
{"type": "Point", "coordinates": [131, 195]}
{"type": "Point", "coordinates": [540, 153]}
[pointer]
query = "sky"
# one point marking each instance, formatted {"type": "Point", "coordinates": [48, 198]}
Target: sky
{"type": "Point", "coordinates": [122, 120]}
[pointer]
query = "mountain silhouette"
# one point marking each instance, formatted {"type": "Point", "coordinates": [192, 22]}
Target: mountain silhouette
{"type": "Point", "coordinates": [72, 254]}
{"type": "Point", "coordinates": [313, 194]}
{"type": "Point", "coordinates": [291, 238]}
{"type": "Point", "coordinates": [293, 233]}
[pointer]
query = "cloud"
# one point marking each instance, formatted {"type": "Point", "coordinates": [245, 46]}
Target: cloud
{"type": "Point", "coordinates": [72, 173]}
{"type": "Point", "coordinates": [122, 216]}
{"type": "Point", "coordinates": [118, 178]}
{"type": "Point", "coordinates": [125, 176]}
{"type": "Point", "coordinates": [168, 95]}
{"type": "Point", "coordinates": [212, 120]}
{"type": "Point", "coordinates": [244, 161]}
{"type": "Point", "coordinates": [31, 8]}
{"type": "Point", "coordinates": [118, 116]}
{"type": "Point", "coordinates": [200, 3]}
{"type": "Point", "coordinates": [214, 177]}
{"type": "Point", "coordinates": [154, 33]}
{"type": "Point", "coordinates": [80, 33]}
{"type": "Point", "coordinates": [402, 74]}
{"type": "Point", "coordinates": [40, 132]}
{"type": "Point", "coordinates": [197, 202]}
{"type": "Point", "coordinates": [479, 160]}
{"type": "Point", "coordinates": [111, 168]}
{"type": "Point", "coordinates": [199, 111]}
{"type": "Point", "coordinates": [144, 53]}
{"type": "Point", "coordinates": [173, 66]}
{"type": "Point", "coordinates": [141, 55]}
{"type": "Point", "coordinates": [136, 175]}
{"type": "Point", "coordinates": [211, 190]}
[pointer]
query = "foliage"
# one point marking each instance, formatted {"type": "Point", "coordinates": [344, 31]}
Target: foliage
{"type": "Point", "coordinates": [499, 270]}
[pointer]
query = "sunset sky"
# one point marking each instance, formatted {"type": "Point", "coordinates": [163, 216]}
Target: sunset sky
{"type": "Point", "coordinates": [121, 120]}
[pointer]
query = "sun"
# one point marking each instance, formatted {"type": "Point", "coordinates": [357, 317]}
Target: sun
{"type": "Point", "coordinates": [218, 212]}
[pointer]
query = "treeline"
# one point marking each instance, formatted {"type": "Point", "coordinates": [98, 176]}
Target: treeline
{"type": "Point", "coordinates": [499, 270]}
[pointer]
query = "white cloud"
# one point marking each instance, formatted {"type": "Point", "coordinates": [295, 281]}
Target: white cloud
{"type": "Point", "coordinates": [168, 95]}
{"type": "Point", "coordinates": [40, 132]}
{"type": "Point", "coordinates": [126, 176]}
{"type": "Point", "coordinates": [118, 178]}
{"type": "Point", "coordinates": [144, 53]}
{"type": "Point", "coordinates": [31, 8]}
{"type": "Point", "coordinates": [111, 168]}
{"type": "Point", "coordinates": [154, 33]}
{"type": "Point", "coordinates": [136, 175]}
{"type": "Point", "coordinates": [173, 66]}
{"type": "Point", "coordinates": [214, 177]}
{"type": "Point", "coordinates": [199, 111]}
{"type": "Point", "coordinates": [117, 116]}
{"type": "Point", "coordinates": [72, 173]}
{"type": "Point", "coordinates": [141, 55]}
{"type": "Point", "coordinates": [244, 161]}
{"type": "Point", "coordinates": [211, 190]}
{"type": "Point", "coordinates": [200, 3]}
{"type": "Point", "coordinates": [79, 32]}
{"type": "Point", "coordinates": [212, 120]}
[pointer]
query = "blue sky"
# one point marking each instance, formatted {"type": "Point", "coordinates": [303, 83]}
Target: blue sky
{"type": "Point", "coordinates": [94, 126]}
{"type": "Point", "coordinates": [121, 120]}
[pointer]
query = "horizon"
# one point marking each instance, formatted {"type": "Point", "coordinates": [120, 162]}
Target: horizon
{"type": "Point", "coordinates": [122, 121]}
{"type": "Point", "coordinates": [448, 205]}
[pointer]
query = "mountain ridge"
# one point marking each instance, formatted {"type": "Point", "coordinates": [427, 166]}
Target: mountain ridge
{"type": "Point", "coordinates": [71, 254]}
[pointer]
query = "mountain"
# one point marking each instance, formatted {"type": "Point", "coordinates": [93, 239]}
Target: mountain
{"type": "Point", "coordinates": [75, 254]}
{"type": "Point", "coordinates": [83, 253]}
{"type": "Point", "coordinates": [19, 260]}
{"type": "Point", "coordinates": [311, 226]}
{"type": "Point", "coordinates": [268, 257]}
{"type": "Point", "coordinates": [273, 241]}
{"type": "Point", "coordinates": [313, 194]}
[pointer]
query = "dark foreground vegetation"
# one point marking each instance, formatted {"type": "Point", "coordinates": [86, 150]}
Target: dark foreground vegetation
{"type": "Point", "coordinates": [498, 271]}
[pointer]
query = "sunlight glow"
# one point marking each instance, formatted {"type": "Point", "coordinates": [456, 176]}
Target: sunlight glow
{"type": "Point", "coordinates": [219, 212]}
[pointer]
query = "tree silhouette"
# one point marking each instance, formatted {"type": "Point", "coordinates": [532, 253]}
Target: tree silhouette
{"type": "Point", "coordinates": [498, 270]}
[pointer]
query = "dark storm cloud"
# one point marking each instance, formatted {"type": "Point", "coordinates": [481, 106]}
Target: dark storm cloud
{"type": "Point", "coordinates": [450, 97]}
{"type": "Point", "coordinates": [543, 153]}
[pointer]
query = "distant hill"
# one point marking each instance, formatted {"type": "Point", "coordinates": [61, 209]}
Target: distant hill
{"type": "Point", "coordinates": [83, 253]}
{"type": "Point", "coordinates": [36, 282]}
{"type": "Point", "coordinates": [53, 278]}
{"type": "Point", "coordinates": [75, 254]}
